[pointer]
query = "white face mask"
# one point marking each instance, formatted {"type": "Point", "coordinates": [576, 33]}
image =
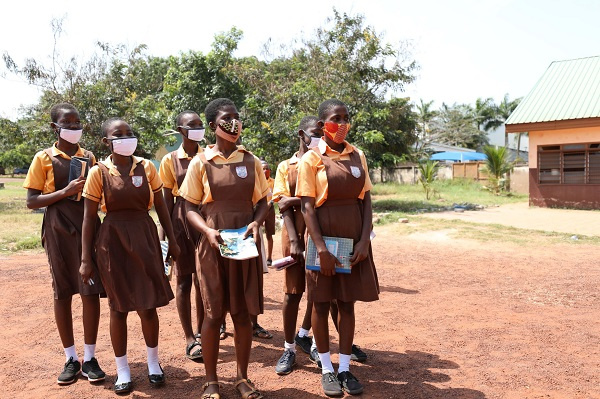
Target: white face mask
{"type": "Point", "coordinates": [196, 134]}
{"type": "Point", "coordinates": [125, 146]}
{"type": "Point", "coordinates": [72, 136]}
{"type": "Point", "coordinates": [314, 142]}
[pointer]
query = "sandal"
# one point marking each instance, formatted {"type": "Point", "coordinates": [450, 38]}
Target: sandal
{"type": "Point", "coordinates": [222, 332]}
{"type": "Point", "coordinates": [198, 337]}
{"type": "Point", "coordinates": [260, 332]}
{"type": "Point", "coordinates": [193, 354]}
{"type": "Point", "coordinates": [251, 387]}
{"type": "Point", "coordinates": [214, 395]}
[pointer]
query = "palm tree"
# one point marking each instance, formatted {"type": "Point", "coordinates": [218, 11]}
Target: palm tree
{"type": "Point", "coordinates": [497, 165]}
{"type": "Point", "coordinates": [428, 173]}
{"type": "Point", "coordinates": [484, 111]}
{"type": "Point", "coordinates": [501, 113]}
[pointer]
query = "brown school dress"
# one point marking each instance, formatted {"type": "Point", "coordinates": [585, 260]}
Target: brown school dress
{"type": "Point", "coordinates": [61, 237]}
{"type": "Point", "coordinates": [295, 276]}
{"type": "Point", "coordinates": [186, 236]}
{"type": "Point", "coordinates": [341, 216]}
{"type": "Point", "coordinates": [128, 248]}
{"type": "Point", "coordinates": [227, 284]}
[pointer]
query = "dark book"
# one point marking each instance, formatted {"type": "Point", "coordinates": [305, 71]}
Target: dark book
{"type": "Point", "coordinates": [79, 167]}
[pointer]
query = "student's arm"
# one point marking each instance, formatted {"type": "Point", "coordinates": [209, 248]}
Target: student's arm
{"type": "Point", "coordinates": [288, 202]}
{"type": "Point", "coordinates": [361, 249]}
{"type": "Point", "coordinates": [169, 200]}
{"type": "Point", "coordinates": [296, 246]}
{"type": "Point", "coordinates": [90, 214]}
{"type": "Point", "coordinates": [197, 222]}
{"type": "Point", "coordinates": [165, 221]}
{"type": "Point", "coordinates": [35, 198]}
{"type": "Point", "coordinates": [326, 258]}
{"type": "Point", "coordinates": [260, 214]}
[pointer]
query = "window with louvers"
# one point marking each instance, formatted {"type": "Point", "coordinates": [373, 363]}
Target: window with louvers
{"type": "Point", "coordinates": [569, 164]}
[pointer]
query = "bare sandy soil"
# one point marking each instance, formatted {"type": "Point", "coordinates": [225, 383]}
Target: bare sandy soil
{"type": "Point", "coordinates": [456, 319]}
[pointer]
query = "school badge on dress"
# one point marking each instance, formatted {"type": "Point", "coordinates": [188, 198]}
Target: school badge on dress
{"type": "Point", "coordinates": [355, 171]}
{"type": "Point", "coordinates": [137, 181]}
{"type": "Point", "coordinates": [241, 171]}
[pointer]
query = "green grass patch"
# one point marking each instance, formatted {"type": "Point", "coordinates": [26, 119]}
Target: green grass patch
{"type": "Point", "coordinates": [410, 198]}
{"type": "Point", "coordinates": [20, 228]}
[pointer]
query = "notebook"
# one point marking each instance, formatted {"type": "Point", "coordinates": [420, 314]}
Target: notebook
{"type": "Point", "coordinates": [77, 168]}
{"type": "Point", "coordinates": [340, 247]}
{"type": "Point", "coordinates": [235, 247]}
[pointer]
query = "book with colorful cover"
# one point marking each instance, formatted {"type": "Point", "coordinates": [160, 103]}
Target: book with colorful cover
{"type": "Point", "coordinates": [236, 247]}
{"type": "Point", "coordinates": [340, 247]}
{"type": "Point", "coordinates": [164, 247]}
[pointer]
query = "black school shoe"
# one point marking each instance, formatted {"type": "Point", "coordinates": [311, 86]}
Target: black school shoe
{"type": "Point", "coordinates": [123, 388]}
{"type": "Point", "coordinates": [91, 369]}
{"type": "Point", "coordinates": [314, 357]}
{"type": "Point", "coordinates": [157, 379]}
{"type": "Point", "coordinates": [349, 383]}
{"type": "Point", "coordinates": [331, 385]}
{"type": "Point", "coordinates": [70, 372]}
{"type": "Point", "coordinates": [286, 363]}
{"type": "Point", "coordinates": [357, 354]}
{"type": "Point", "coordinates": [304, 343]}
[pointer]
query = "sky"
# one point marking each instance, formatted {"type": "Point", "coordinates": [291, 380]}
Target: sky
{"type": "Point", "coordinates": [465, 49]}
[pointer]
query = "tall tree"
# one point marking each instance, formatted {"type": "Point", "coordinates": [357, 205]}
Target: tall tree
{"type": "Point", "coordinates": [456, 125]}
{"type": "Point", "coordinates": [500, 114]}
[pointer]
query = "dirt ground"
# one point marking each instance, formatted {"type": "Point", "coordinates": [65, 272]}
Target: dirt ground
{"type": "Point", "coordinates": [455, 319]}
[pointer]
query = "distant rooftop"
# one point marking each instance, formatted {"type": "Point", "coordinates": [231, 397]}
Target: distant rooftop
{"type": "Point", "coordinates": [568, 91]}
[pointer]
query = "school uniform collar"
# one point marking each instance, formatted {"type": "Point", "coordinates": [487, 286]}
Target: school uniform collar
{"type": "Point", "coordinates": [57, 152]}
{"type": "Point", "coordinates": [113, 169]}
{"type": "Point", "coordinates": [294, 159]}
{"type": "Point", "coordinates": [181, 154]}
{"type": "Point", "coordinates": [324, 148]}
{"type": "Point", "coordinates": [211, 153]}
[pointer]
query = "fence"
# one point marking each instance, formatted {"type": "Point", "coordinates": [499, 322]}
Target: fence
{"type": "Point", "coordinates": [469, 170]}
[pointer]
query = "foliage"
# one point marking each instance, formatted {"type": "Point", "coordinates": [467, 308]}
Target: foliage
{"type": "Point", "coordinates": [456, 125]}
{"type": "Point", "coordinates": [497, 166]}
{"type": "Point", "coordinates": [428, 172]}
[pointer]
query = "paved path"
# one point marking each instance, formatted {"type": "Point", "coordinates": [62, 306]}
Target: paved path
{"type": "Point", "coordinates": [521, 215]}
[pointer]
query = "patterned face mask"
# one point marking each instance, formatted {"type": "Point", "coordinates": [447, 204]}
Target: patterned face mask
{"type": "Point", "coordinates": [229, 131]}
{"type": "Point", "coordinates": [336, 131]}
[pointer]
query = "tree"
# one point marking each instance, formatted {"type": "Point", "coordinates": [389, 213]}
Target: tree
{"type": "Point", "coordinates": [497, 165]}
{"type": "Point", "coordinates": [428, 173]}
{"type": "Point", "coordinates": [456, 125]}
{"type": "Point", "coordinates": [424, 116]}
{"type": "Point", "coordinates": [500, 114]}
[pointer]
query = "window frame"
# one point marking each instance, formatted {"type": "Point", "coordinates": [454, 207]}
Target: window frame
{"type": "Point", "coordinates": [591, 170]}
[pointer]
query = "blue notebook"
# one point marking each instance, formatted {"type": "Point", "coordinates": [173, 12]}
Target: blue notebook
{"type": "Point", "coordinates": [340, 247]}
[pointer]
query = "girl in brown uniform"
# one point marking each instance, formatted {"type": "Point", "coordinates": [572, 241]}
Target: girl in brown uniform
{"type": "Point", "coordinates": [128, 250]}
{"type": "Point", "coordinates": [173, 169]}
{"type": "Point", "coordinates": [228, 182]}
{"type": "Point", "coordinates": [334, 187]}
{"type": "Point", "coordinates": [48, 185]}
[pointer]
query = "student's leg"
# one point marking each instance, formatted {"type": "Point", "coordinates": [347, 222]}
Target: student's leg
{"type": "Point", "coordinates": [210, 349]}
{"type": "Point", "coordinates": [291, 303]}
{"type": "Point", "coordinates": [91, 318]}
{"type": "Point", "coordinates": [320, 325]}
{"type": "Point", "coordinates": [333, 309]}
{"type": "Point", "coordinates": [64, 324]}
{"type": "Point", "coordinates": [269, 247]}
{"type": "Point", "coordinates": [257, 330]}
{"type": "Point", "coordinates": [118, 338]}
{"type": "Point", "coordinates": [242, 325]}
{"type": "Point", "coordinates": [346, 326]}
{"type": "Point", "coordinates": [199, 304]}
{"type": "Point", "coordinates": [184, 306]}
{"type": "Point", "coordinates": [150, 329]}
{"type": "Point", "coordinates": [306, 323]}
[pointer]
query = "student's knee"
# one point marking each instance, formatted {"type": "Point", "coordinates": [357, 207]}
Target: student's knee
{"type": "Point", "coordinates": [241, 317]}
{"type": "Point", "coordinates": [184, 283]}
{"type": "Point", "coordinates": [292, 299]}
{"type": "Point", "coordinates": [214, 323]}
{"type": "Point", "coordinates": [148, 314]}
{"type": "Point", "coordinates": [321, 308]}
{"type": "Point", "coordinates": [346, 308]}
{"type": "Point", "coordinates": [118, 316]}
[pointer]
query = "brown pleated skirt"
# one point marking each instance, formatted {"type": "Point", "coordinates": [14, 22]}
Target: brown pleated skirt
{"type": "Point", "coordinates": [294, 281]}
{"type": "Point", "coordinates": [61, 238]}
{"type": "Point", "coordinates": [344, 219]}
{"type": "Point", "coordinates": [130, 262]}
{"type": "Point", "coordinates": [229, 285]}
{"type": "Point", "coordinates": [186, 238]}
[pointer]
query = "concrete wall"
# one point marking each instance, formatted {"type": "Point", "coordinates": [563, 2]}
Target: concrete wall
{"type": "Point", "coordinates": [406, 174]}
{"type": "Point", "coordinates": [519, 180]}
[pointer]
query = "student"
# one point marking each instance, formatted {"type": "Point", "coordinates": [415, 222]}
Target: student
{"type": "Point", "coordinates": [292, 244]}
{"type": "Point", "coordinates": [227, 181]}
{"type": "Point", "coordinates": [334, 187]}
{"type": "Point", "coordinates": [48, 186]}
{"type": "Point", "coordinates": [129, 255]}
{"type": "Point", "coordinates": [269, 224]}
{"type": "Point", "coordinates": [173, 168]}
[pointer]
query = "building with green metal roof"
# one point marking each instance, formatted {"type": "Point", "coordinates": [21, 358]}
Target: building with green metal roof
{"type": "Point", "coordinates": [561, 114]}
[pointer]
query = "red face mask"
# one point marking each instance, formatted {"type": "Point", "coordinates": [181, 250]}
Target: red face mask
{"type": "Point", "coordinates": [336, 131]}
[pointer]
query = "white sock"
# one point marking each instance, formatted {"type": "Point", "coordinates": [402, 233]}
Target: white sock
{"type": "Point", "coordinates": [291, 347]}
{"type": "Point", "coordinates": [123, 372]}
{"type": "Point", "coordinates": [314, 345]}
{"type": "Point", "coordinates": [70, 352]}
{"type": "Point", "coordinates": [344, 363]}
{"type": "Point", "coordinates": [89, 351]}
{"type": "Point", "coordinates": [302, 332]}
{"type": "Point", "coordinates": [153, 366]}
{"type": "Point", "coordinates": [326, 362]}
